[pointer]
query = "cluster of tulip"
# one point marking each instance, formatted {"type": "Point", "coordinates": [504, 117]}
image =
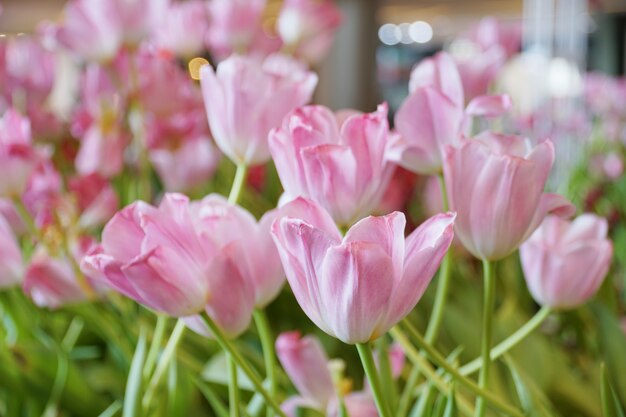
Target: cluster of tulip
{"type": "Point", "coordinates": [137, 135]}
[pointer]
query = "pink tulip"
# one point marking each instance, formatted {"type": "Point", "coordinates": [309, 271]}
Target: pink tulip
{"type": "Point", "coordinates": [357, 287]}
{"type": "Point", "coordinates": [154, 256]}
{"type": "Point", "coordinates": [441, 73]}
{"type": "Point", "coordinates": [427, 121]}
{"type": "Point", "coordinates": [163, 258]}
{"type": "Point", "coordinates": [101, 152]}
{"type": "Point", "coordinates": [247, 98]}
{"type": "Point", "coordinates": [11, 267]}
{"type": "Point", "coordinates": [91, 29]}
{"type": "Point", "coordinates": [184, 28]}
{"type": "Point", "coordinates": [140, 19]}
{"type": "Point", "coordinates": [224, 224]}
{"type": "Point", "coordinates": [495, 183]}
{"type": "Point", "coordinates": [96, 199]}
{"type": "Point", "coordinates": [236, 25]}
{"type": "Point", "coordinates": [42, 196]}
{"type": "Point", "coordinates": [52, 282]}
{"type": "Point", "coordinates": [478, 72]}
{"type": "Point", "coordinates": [188, 166]}
{"type": "Point", "coordinates": [306, 364]}
{"type": "Point", "coordinates": [33, 82]}
{"type": "Point", "coordinates": [18, 157]}
{"type": "Point", "coordinates": [308, 27]}
{"type": "Point", "coordinates": [344, 168]}
{"type": "Point", "coordinates": [565, 262]}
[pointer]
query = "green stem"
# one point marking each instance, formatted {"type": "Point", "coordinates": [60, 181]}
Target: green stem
{"type": "Point", "coordinates": [242, 363]}
{"type": "Point", "coordinates": [436, 316]}
{"type": "Point", "coordinates": [420, 362]}
{"type": "Point", "coordinates": [265, 334]}
{"type": "Point", "coordinates": [510, 342]}
{"type": "Point", "coordinates": [443, 363]}
{"type": "Point", "coordinates": [168, 354]}
{"type": "Point", "coordinates": [238, 183]}
{"type": "Point", "coordinates": [27, 218]}
{"type": "Point", "coordinates": [233, 387]}
{"type": "Point", "coordinates": [155, 345]}
{"type": "Point", "coordinates": [487, 333]}
{"type": "Point", "coordinates": [367, 359]}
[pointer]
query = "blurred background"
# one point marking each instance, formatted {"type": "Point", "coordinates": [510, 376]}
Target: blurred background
{"type": "Point", "coordinates": [381, 40]}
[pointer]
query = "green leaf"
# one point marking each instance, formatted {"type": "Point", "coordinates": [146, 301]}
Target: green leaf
{"type": "Point", "coordinates": [533, 400]}
{"type": "Point", "coordinates": [216, 404]}
{"type": "Point", "coordinates": [610, 403]}
{"type": "Point", "coordinates": [613, 345]}
{"type": "Point", "coordinates": [132, 397]}
{"type": "Point", "coordinates": [424, 406]}
{"type": "Point", "coordinates": [451, 408]}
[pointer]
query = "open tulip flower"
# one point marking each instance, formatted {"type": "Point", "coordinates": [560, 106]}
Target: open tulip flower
{"type": "Point", "coordinates": [357, 287]}
{"type": "Point", "coordinates": [338, 160]}
{"type": "Point", "coordinates": [495, 184]}
{"type": "Point", "coordinates": [565, 262]}
{"type": "Point", "coordinates": [245, 98]}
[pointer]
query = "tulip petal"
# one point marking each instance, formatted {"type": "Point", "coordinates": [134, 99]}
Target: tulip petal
{"type": "Point", "coordinates": [356, 287]}
{"type": "Point", "coordinates": [489, 106]}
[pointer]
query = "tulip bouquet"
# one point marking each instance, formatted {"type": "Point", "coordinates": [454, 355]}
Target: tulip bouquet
{"type": "Point", "coordinates": [201, 242]}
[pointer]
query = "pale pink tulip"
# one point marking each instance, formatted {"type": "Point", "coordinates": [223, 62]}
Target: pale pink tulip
{"type": "Point", "coordinates": [184, 28]}
{"type": "Point", "coordinates": [18, 156]}
{"type": "Point", "coordinates": [427, 121]}
{"type": "Point", "coordinates": [42, 196]}
{"type": "Point", "coordinates": [154, 256]}
{"type": "Point", "coordinates": [565, 262]}
{"type": "Point", "coordinates": [441, 73]}
{"type": "Point", "coordinates": [357, 287]}
{"type": "Point", "coordinates": [224, 224]}
{"type": "Point", "coordinates": [11, 266]}
{"type": "Point", "coordinates": [495, 184]}
{"type": "Point", "coordinates": [188, 166]}
{"type": "Point", "coordinates": [140, 19]}
{"type": "Point", "coordinates": [162, 258]}
{"type": "Point", "coordinates": [33, 82]}
{"type": "Point", "coordinates": [246, 98]}
{"type": "Point", "coordinates": [344, 168]}
{"type": "Point", "coordinates": [308, 27]}
{"type": "Point", "coordinates": [91, 29]}
{"type": "Point", "coordinates": [52, 282]}
{"type": "Point", "coordinates": [306, 364]}
{"type": "Point", "coordinates": [236, 27]}
{"type": "Point", "coordinates": [101, 152]}
{"type": "Point", "coordinates": [96, 199]}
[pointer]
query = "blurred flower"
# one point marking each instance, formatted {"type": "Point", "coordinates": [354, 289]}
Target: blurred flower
{"type": "Point", "coordinates": [11, 266]}
{"type": "Point", "coordinates": [308, 27]}
{"type": "Point", "coordinates": [613, 165]}
{"type": "Point", "coordinates": [565, 262]}
{"type": "Point", "coordinates": [398, 193]}
{"type": "Point", "coordinates": [18, 156]}
{"type": "Point", "coordinates": [51, 281]}
{"type": "Point", "coordinates": [96, 199]}
{"type": "Point", "coordinates": [91, 29]}
{"type": "Point", "coordinates": [246, 98]}
{"type": "Point", "coordinates": [344, 168]}
{"type": "Point", "coordinates": [306, 364]}
{"type": "Point", "coordinates": [188, 166]}
{"type": "Point", "coordinates": [236, 27]}
{"type": "Point", "coordinates": [495, 183]}
{"type": "Point", "coordinates": [42, 196]}
{"type": "Point", "coordinates": [30, 69]}
{"type": "Point", "coordinates": [98, 122]}
{"type": "Point", "coordinates": [426, 121]}
{"type": "Point", "coordinates": [434, 115]}
{"type": "Point", "coordinates": [357, 287]}
{"type": "Point", "coordinates": [184, 29]}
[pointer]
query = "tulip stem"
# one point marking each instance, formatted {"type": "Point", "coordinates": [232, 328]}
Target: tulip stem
{"type": "Point", "coordinates": [510, 342]}
{"type": "Point", "coordinates": [233, 387]}
{"type": "Point", "coordinates": [238, 183]}
{"type": "Point", "coordinates": [155, 345]}
{"type": "Point", "coordinates": [487, 333]}
{"type": "Point", "coordinates": [441, 361]}
{"type": "Point", "coordinates": [230, 349]}
{"type": "Point", "coordinates": [267, 344]}
{"type": "Point", "coordinates": [436, 316]}
{"type": "Point", "coordinates": [166, 357]}
{"type": "Point", "coordinates": [367, 359]}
